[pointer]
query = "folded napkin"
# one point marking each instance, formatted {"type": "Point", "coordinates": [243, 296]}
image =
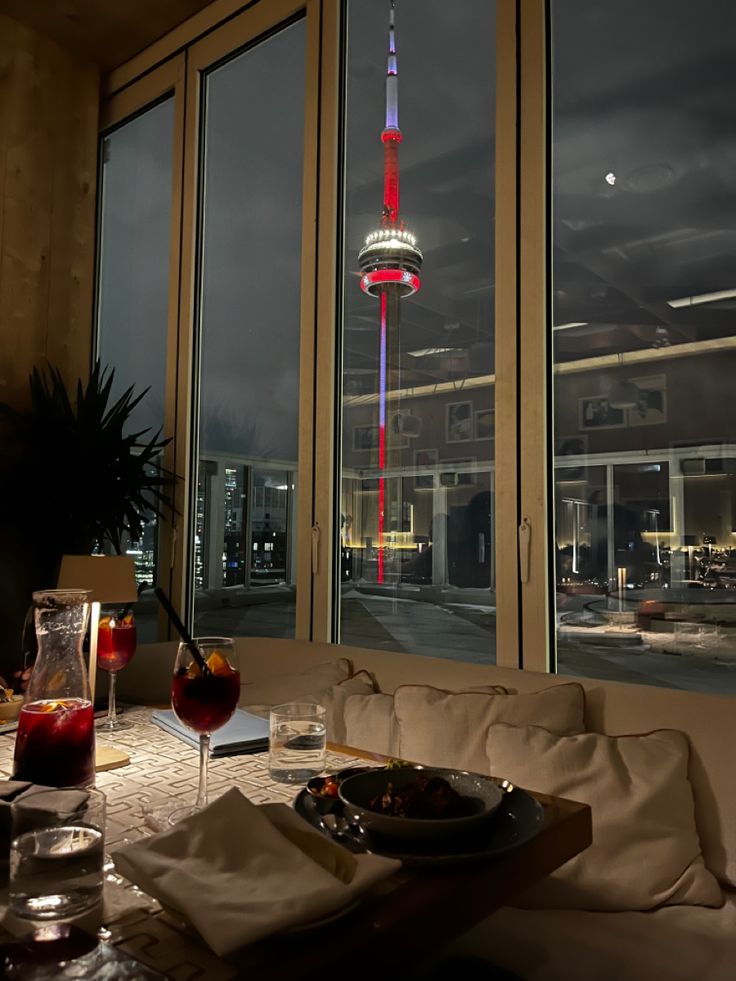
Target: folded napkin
{"type": "Point", "coordinates": [237, 872]}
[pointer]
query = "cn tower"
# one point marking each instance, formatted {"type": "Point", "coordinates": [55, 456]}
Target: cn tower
{"type": "Point", "coordinates": [389, 264]}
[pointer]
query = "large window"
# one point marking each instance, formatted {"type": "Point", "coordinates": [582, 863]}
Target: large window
{"type": "Point", "coordinates": [133, 291]}
{"type": "Point", "coordinates": [644, 342]}
{"type": "Point", "coordinates": [359, 357]}
{"type": "Point", "coordinates": [252, 152]}
{"type": "Point", "coordinates": [416, 508]}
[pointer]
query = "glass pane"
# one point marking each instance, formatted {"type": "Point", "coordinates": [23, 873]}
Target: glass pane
{"type": "Point", "coordinates": [644, 269]}
{"type": "Point", "coordinates": [249, 343]}
{"type": "Point", "coordinates": [417, 563]}
{"type": "Point", "coordinates": [133, 290]}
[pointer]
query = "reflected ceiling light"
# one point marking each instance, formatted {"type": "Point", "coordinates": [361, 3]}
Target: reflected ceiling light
{"type": "Point", "coordinates": [573, 323]}
{"type": "Point", "coordinates": [610, 178]}
{"type": "Point", "coordinates": [694, 301]}
{"type": "Point", "coordinates": [425, 352]}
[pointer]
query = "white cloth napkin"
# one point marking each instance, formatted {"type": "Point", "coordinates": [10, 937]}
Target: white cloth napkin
{"type": "Point", "coordinates": [237, 872]}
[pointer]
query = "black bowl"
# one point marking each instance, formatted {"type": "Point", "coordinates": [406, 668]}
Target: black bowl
{"type": "Point", "coordinates": [482, 794]}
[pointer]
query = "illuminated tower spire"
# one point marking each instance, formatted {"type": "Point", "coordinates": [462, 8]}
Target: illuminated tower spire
{"type": "Point", "coordinates": [390, 255]}
{"type": "Point", "coordinates": [389, 264]}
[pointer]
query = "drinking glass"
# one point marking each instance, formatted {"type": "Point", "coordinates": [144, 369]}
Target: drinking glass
{"type": "Point", "coordinates": [116, 641]}
{"type": "Point", "coordinates": [203, 701]}
{"type": "Point", "coordinates": [56, 852]}
{"type": "Point", "coordinates": [297, 740]}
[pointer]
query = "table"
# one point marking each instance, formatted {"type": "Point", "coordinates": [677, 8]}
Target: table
{"type": "Point", "coordinates": [415, 912]}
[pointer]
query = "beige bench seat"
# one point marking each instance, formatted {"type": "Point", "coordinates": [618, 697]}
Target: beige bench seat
{"type": "Point", "coordinates": [678, 943]}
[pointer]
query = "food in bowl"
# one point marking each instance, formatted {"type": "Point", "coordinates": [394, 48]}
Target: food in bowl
{"type": "Point", "coordinates": [423, 797]}
{"type": "Point", "coordinates": [361, 794]}
{"type": "Point", "coordinates": [10, 707]}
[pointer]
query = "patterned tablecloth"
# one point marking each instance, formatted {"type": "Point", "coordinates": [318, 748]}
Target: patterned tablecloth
{"type": "Point", "coordinates": [163, 771]}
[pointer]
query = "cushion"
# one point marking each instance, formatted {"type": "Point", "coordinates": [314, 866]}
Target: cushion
{"type": "Point", "coordinates": [333, 699]}
{"type": "Point", "coordinates": [645, 850]}
{"type": "Point", "coordinates": [444, 728]}
{"type": "Point", "coordinates": [370, 723]}
{"type": "Point", "coordinates": [370, 720]}
{"type": "Point", "coordinates": [293, 687]}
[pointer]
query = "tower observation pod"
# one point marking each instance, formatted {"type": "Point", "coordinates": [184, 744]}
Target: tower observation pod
{"type": "Point", "coordinates": [390, 257]}
{"type": "Point", "coordinates": [389, 263]}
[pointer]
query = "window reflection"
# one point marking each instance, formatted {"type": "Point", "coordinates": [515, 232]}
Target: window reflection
{"type": "Point", "coordinates": [643, 341]}
{"type": "Point", "coordinates": [417, 564]}
{"type": "Point", "coordinates": [132, 297]}
{"type": "Point", "coordinates": [243, 563]}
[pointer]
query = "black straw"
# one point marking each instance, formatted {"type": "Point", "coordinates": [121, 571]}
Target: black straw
{"type": "Point", "coordinates": [181, 629]}
{"type": "Point", "coordinates": [124, 612]}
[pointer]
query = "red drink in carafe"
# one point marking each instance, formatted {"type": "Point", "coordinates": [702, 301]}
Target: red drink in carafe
{"type": "Point", "coordinates": [55, 744]}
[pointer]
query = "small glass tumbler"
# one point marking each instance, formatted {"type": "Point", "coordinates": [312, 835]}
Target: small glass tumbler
{"type": "Point", "coordinates": [56, 853]}
{"type": "Point", "coordinates": [297, 741]}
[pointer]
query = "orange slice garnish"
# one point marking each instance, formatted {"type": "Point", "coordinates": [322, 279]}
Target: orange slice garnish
{"type": "Point", "coordinates": [217, 663]}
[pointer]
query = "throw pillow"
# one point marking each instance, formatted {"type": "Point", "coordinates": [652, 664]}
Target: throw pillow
{"type": "Point", "coordinates": [371, 724]}
{"type": "Point", "coordinates": [293, 687]}
{"type": "Point", "coordinates": [443, 728]}
{"type": "Point", "coordinates": [645, 850]}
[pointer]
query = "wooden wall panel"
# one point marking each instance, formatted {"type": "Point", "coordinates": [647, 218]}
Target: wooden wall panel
{"type": "Point", "coordinates": [107, 32]}
{"type": "Point", "coordinates": [49, 103]}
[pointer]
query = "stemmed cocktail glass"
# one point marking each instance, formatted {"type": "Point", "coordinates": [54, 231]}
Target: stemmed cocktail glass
{"type": "Point", "coordinates": [116, 642]}
{"type": "Point", "coordinates": [204, 694]}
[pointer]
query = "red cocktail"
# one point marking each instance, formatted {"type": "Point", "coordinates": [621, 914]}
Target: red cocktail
{"type": "Point", "coordinates": [204, 694]}
{"type": "Point", "coordinates": [116, 640]}
{"type": "Point", "coordinates": [205, 702]}
{"type": "Point", "coordinates": [55, 744]}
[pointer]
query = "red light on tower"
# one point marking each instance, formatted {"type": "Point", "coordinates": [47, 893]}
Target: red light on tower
{"type": "Point", "coordinates": [389, 264]}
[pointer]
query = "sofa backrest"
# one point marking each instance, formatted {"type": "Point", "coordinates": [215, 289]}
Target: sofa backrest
{"type": "Point", "coordinates": [611, 708]}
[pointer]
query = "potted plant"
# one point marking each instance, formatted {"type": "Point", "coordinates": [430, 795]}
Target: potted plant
{"type": "Point", "coordinates": [72, 479]}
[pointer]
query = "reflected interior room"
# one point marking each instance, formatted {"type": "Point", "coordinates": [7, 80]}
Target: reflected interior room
{"type": "Point", "coordinates": [391, 342]}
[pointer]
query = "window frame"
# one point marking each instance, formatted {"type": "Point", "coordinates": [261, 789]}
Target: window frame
{"type": "Point", "coordinates": [167, 80]}
{"type": "Point", "coordinates": [214, 34]}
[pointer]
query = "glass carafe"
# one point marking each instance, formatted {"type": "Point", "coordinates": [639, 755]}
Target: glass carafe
{"type": "Point", "coordinates": [55, 744]}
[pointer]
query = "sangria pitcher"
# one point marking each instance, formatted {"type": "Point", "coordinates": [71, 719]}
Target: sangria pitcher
{"type": "Point", "coordinates": [55, 743]}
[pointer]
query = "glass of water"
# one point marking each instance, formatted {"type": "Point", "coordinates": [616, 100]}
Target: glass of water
{"type": "Point", "coordinates": [56, 853]}
{"type": "Point", "coordinates": [297, 739]}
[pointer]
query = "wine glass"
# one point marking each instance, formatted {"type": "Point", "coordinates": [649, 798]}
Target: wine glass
{"type": "Point", "coordinates": [204, 700]}
{"type": "Point", "coordinates": [116, 641]}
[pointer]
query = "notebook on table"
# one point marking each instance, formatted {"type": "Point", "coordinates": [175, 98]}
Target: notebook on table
{"type": "Point", "coordinates": [243, 733]}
